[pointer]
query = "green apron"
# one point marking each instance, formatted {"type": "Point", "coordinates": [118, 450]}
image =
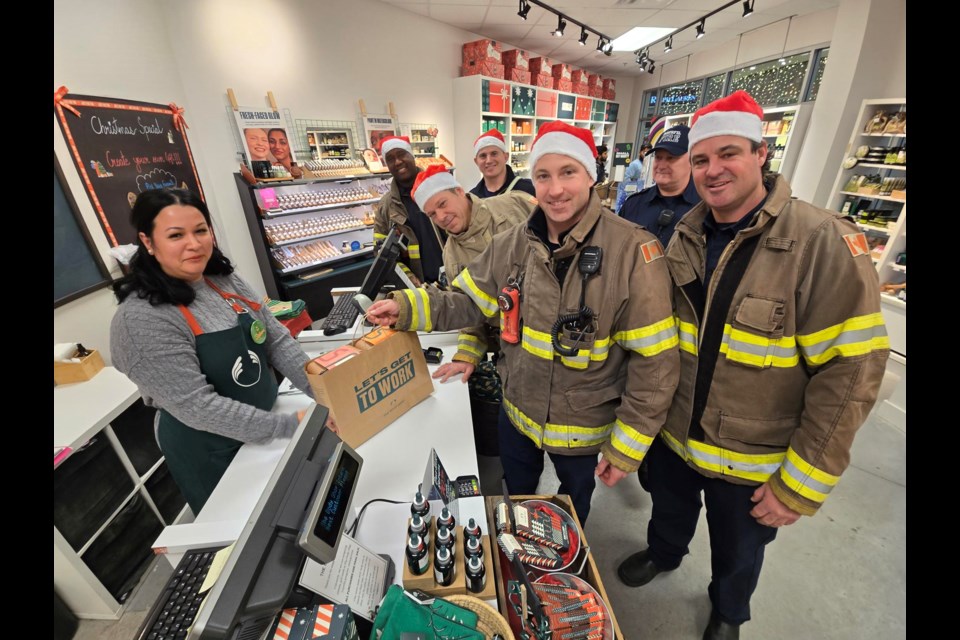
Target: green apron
{"type": "Point", "coordinates": [238, 368]}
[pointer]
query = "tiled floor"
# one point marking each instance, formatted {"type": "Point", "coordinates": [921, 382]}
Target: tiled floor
{"type": "Point", "coordinates": [840, 574]}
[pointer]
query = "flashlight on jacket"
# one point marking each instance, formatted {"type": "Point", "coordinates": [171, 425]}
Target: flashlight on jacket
{"type": "Point", "coordinates": [509, 303]}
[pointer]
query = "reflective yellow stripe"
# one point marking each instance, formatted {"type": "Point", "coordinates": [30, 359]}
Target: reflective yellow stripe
{"type": "Point", "coordinates": [629, 441]}
{"type": "Point", "coordinates": [756, 467]}
{"type": "Point", "coordinates": [540, 344]}
{"type": "Point", "coordinates": [471, 344]}
{"type": "Point", "coordinates": [420, 319]}
{"type": "Point", "coordinates": [853, 337]}
{"type": "Point", "coordinates": [379, 236]}
{"type": "Point", "coordinates": [688, 336]}
{"type": "Point", "coordinates": [804, 478]}
{"type": "Point", "coordinates": [537, 342]}
{"type": "Point", "coordinates": [759, 351]}
{"type": "Point", "coordinates": [413, 251]}
{"type": "Point", "coordinates": [525, 425]}
{"type": "Point", "coordinates": [465, 283]}
{"type": "Point", "coordinates": [564, 436]}
{"type": "Point", "coordinates": [650, 340]}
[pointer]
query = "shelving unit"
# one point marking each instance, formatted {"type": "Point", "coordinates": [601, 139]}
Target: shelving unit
{"type": "Point", "coordinates": [312, 235]}
{"type": "Point", "coordinates": [518, 111]}
{"type": "Point", "coordinates": [327, 143]}
{"type": "Point", "coordinates": [112, 495]}
{"type": "Point", "coordinates": [423, 141]}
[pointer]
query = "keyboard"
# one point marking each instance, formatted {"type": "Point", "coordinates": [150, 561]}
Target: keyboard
{"type": "Point", "coordinates": [176, 607]}
{"type": "Point", "coordinates": [341, 317]}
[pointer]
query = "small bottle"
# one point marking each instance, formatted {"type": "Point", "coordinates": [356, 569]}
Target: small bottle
{"type": "Point", "coordinates": [476, 575]}
{"type": "Point", "coordinates": [418, 526]}
{"type": "Point", "coordinates": [420, 507]}
{"type": "Point", "coordinates": [417, 558]}
{"type": "Point", "coordinates": [443, 567]}
{"type": "Point", "coordinates": [446, 519]}
{"type": "Point", "coordinates": [472, 530]}
{"type": "Point", "coordinates": [472, 548]}
{"type": "Point", "coordinates": [445, 539]}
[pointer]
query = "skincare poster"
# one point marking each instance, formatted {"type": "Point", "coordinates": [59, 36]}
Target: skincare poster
{"type": "Point", "coordinates": [265, 138]}
{"type": "Point", "coordinates": [378, 127]}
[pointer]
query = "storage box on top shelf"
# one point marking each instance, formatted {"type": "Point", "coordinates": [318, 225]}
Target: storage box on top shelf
{"type": "Point", "coordinates": [488, 69]}
{"type": "Point", "coordinates": [562, 85]}
{"type": "Point", "coordinates": [595, 92]}
{"type": "Point", "coordinates": [482, 51]}
{"type": "Point", "coordinates": [581, 89]}
{"type": "Point", "coordinates": [516, 74]}
{"type": "Point", "coordinates": [517, 58]}
{"type": "Point", "coordinates": [594, 80]}
{"type": "Point", "coordinates": [578, 76]}
{"type": "Point", "coordinates": [541, 65]}
{"type": "Point", "coordinates": [563, 71]}
{"type": "Point", "coordinates": [544, 80]}
{"type": "Point", "coordinates": [609, 94]}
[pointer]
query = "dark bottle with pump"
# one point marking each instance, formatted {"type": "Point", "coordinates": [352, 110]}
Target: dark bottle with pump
{"type": "Point", "coordinates": [420, 507]}
{"type": "Point", "coordinates": [472, 530]}
{"type": "Point", "coordinates": [446, 518]}
{"type": "Point", "coordinates": [419, 527]}
{"type": "Point", "coordinates": [472, 547]}
{"type": "Point", "coordinates": [417, 557]}
{"type": "Point", "coordinates": [476, 575]}
{"type": "Point", "coordinates": [443, 567]}
{"type": "Point", "coordinates": [445, 539]}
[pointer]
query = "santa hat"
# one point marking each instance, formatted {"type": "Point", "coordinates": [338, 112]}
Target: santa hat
{"type": "Point", "coordinates": [491, 138]}
{"type": "Point", "coordinates": [430, 182]}
{"type": "Point", "coordinates": [560, 137]}
{"type": "Point", "coordinates": [390, 143]}
{"type": "Point", "coordinates": [738, 114]}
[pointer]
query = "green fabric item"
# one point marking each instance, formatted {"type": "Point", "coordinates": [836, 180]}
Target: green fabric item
{"type": "Point", "coordinates": [401, 613]}
{"type": "Point", "coordinates": [283, 310]}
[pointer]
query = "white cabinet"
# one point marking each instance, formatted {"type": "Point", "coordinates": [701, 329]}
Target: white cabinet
{"type": "Point", "coordinates": [112, 495]}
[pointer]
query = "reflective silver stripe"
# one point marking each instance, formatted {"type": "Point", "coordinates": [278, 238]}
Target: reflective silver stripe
{"type": "Point", "coordinates": [805, 481]}
{"type": "Point", "coordinates": [630, 441]}
{"type": "Point", "coordinates": [485, 303]}
{"type": "Point", "coordinates": [649, 341]}
{"type": "Point", "coordinates": [419, 309]}
{"type": "Point", "coordinates": [470, 344]}
{"type": "Point", "coordinates": [573, 436]}
{"type": "Point", "coordinates": [756, 467]}
{"type": "Point", "coordinates": [846, 338]}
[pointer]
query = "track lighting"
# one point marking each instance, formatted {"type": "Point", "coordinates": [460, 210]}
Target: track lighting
{"type": "Point", "coordinates": [524, 9]}
{"type": "Point", "coordinates": [650, 68]}
{"type": "Point", "coordinates": [561, 25]}
{"type": "Point", "coordinates": [583, 37]}
{"type": "Point", "coordinates": [608, 48]}
{"type": "Point", "coordinates": [748, 7]}
{"type": "Point", "coordinates": [668, 47]}
{"type": "Point", "coordinates": [701, 29]}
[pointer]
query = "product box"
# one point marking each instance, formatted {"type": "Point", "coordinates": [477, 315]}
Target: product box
{"type": "Point", "coordinates": [67, 372]}
{"type": "Point", "coordinates": [541, 65]}
{"type": "Point", "coordinates": [581, 89]}
{"type": "Point", "coordinates": [504, 567]}
{"type": "Point", "coordinates": [482, 51]}
{"type": "Point", "coordinates": [562, 85]}
{"type": "Point", "coordinates": [517, 58]}
{"type": "Point", "coordinates": [562, 71]}
{"type": "Point", "coordinates": [488, 69]}
{"type": "Point", "coordinates": [609, 84]}
{"type": "Point", "coordinates": [375, 387]}
{"type": "Point", "coordinates": [515, 74]}
{"type": "Point", "coordinates": [579, 76]}
{"type": "Point", "coordinates": [595, 92]}
{"type": "Point", "coordinates": [609, 94]}
{"type": "Point", "coordinates": [593, 80]}
{"type": "Point", "coordinates": [544, 80]}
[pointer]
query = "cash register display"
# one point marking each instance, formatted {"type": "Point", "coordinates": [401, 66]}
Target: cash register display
{"type": "Point", "coordinates": [324, 522]}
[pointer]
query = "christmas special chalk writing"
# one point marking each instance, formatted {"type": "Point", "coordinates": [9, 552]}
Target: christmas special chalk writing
{"type": "Point", "coordinates": [114, 127]}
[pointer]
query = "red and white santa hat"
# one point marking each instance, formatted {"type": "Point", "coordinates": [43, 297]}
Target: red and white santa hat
{"type": "Point", "coordinates": [430, 182]}
{"type": "Point", "coordinates": [491, 138]}
{"type": "Point", "coordinates": [390, 143]}
{"type": "Point", "coordinates": [560, 137]}
{"type": "Point", "coordinates": [738, 114]}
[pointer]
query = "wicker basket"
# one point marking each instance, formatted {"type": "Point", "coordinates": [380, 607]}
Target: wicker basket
{"type": "Point", "coordinates": [490, 621]}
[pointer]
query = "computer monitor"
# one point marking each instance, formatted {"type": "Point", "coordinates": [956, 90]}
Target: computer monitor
{"type": "Point", "coordinates": [384, 270]}
{"type": "Point", "coordinates": [300, 513]}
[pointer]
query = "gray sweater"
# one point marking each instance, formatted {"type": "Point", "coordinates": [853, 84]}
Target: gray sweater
{"type": "Point", "coordinates": [156, 349]}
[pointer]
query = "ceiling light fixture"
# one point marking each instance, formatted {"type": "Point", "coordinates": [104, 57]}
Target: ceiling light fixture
{"type": "Point", "coordinates": [650, 68]}
{"type": "Point", "coordinates": [668, 47]}
{"type": "Point", "coordinates": [748, 7]}
{"type": "Point", "coordinates": [608, 49]}
{"type": "Point", "coordinates": [561, 25]}
{"type": "Point", "coordinates": [524, 9]}
{"type": "Point", "coordinates": [701, 29]}
{"type": "Point", "coordinates": [583, 37]}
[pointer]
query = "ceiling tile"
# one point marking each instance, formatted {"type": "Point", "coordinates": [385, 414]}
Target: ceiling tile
{"type": "Point", "coordinates": [457, 15]}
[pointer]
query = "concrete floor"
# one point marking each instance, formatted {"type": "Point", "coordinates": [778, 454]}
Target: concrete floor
{"type": "Point", "coordinates": [840, 574]}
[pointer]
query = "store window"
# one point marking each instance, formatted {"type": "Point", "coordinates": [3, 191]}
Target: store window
{"type": "Point", "coordinates": [681, 98]}
{"type": "Point", "coordinates": [819, 64]}
{"type": "Point", "coordinates": [714, 88]}
{"type": "Point", "coordinates": [775, 83]}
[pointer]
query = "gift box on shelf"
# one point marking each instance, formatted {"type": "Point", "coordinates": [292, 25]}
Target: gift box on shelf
{"type": "Point", "coordinates": [596, 92]}
{"type": "Point", "coordinates": [562, 70]}
{"type": "Point", "coordinates": [609, 84]}
{"type": "Point", "coordinates": [517, 58]}
{"type": "Point", "coordinates": [579, 76]}
{"type": "Point", "coordinates": [593, 80]}
{"type": "Point", "coordinates": [485, 50]}
{"type": "Point", "coordinates": [541, 65]}
{"type": "Point", "coordinates": [609, 94]}
{"type": "Point", "coordinates": [516, 74]}
{"type": "Point", "coordinates": [486, 68]}
{"type": "Point", "coordinates": [561, 84]}
{"type": "Point", "coordinates": [581, 89]}
{"type": "Point", "coordinates": [544, 80]}
{"type": "Point", "coordinates": [86, 367]}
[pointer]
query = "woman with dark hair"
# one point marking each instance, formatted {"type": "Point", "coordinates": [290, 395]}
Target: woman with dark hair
{"type": "Point", "coordinates": [191, 335]}
{"type": "Point", "coordinates": [280, 148]}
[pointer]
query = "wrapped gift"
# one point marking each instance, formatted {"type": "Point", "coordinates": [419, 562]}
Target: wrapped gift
{"type": "Point", "coordinates": [514, 74]}
{"type": "Point", "coordinates": [517, 58]}
{"type": "Point", "coordinates": [581, 89]}
{"type": "Point", "coordinates": [609, 94]}
{"type": "Point", "coordinates": [562, 85]}
{"type": "Point", "coordinates": [541, 65]}
{"type": "Point", "coordinates": [482, 51]}
{"type": "Point", "coordinates": [561, 71]}
{"type": "Point", "coordinates": [578, 76]}
{"type": "Point", "coordinates": [596, 92]}
{"type": "Point", "coordinates": [593, 80]}
{"type": "Point", "coordinates": [488, 69]}
{"type": "Point", "coordinates": [609, 84]}
{"type": "Point", "coordinates": [544, 80]}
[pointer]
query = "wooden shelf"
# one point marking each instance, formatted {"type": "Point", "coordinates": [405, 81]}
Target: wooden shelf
{"type": "Point", "coordinates": [865, 195]}
{"type": "Point", "coordinates": [877, 165]}
{"type": "Point", "coordinates": [884, 135]}
{"type": "Point", "coordinates": [323, 207]}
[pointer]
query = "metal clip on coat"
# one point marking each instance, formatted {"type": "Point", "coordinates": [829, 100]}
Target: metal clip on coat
{"type": "Point", "coordinates": [509, 303]}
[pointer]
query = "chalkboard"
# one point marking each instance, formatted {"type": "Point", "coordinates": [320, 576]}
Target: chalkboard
{"type": "Point", "coordinates": [77, 267]}
{"type": "Point", "coordinates": [122, 148]}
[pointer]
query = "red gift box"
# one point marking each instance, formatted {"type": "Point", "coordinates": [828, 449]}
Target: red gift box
{"type": "Point", "coordinates": [593, 80]}
{"type": "Point", "coordinates": [541, 66]}
{"type": "Point", "coordinates": [547, 104]}
{"type": "Point", "coordinates": [482, 51]}
{"type": "Point", "coordinates": [582, 109]}
{"type": "Point", "coordinates": [609, 84]}
{"type": "Point", "coordinates": [517, 58]}
{"type": "Point", "coordinates": [562, 85]}
{"type": "Point", "coordinates": [489, 69]}
{"type": "Point", "coordinates": [513, 74]}
{"type": "Point", "coordinates": [562, 71]}
{"type": "Point", "coordinates": [581, 89]}
{"type": "Point", "coordinates": [542, 80]}
{"type": "Point", "coordinates": [596, 92]}
{"type": "Point", "coordinates": [578, 76]}
{"type": "Point", "coordinates": [609, 94]}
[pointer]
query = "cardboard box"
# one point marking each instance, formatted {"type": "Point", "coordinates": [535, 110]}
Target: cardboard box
{"type": "Point", "coordinates": [503, 568]}
{"type": "Point", "coordinates": [68, 372]}
{"type": "Point", "coordinates": [609, 94]}
{"type": "Point", "coordinates": [486, 68]}
{"type": "Point", "coordinates": [562, 71]}
{"type": "Point", "coordinates": [541, 65]}
{"type": "Point", "coordinates": [562, 85]}
{"type": "Point", "coordinates": [517, 58]}
{"type": "Point", "coordinates": [515, 74]}
{"type": "Point", "coordinates": [543, 80]}
{"type": "Point", "coordinates": [578, 76]}
{"type": "Point", "coordinates": [593, 80]}
{"type": "Point", "coordinates": [581, 89]}
{"type": "Point", "coordinates": [609, 84]}
{"type": "Point", "coordinates": [595, 92]}
{"type": "Point", "coordinates": [482, 51]}
{"type": "Point", "coordinates": [374, 388]}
